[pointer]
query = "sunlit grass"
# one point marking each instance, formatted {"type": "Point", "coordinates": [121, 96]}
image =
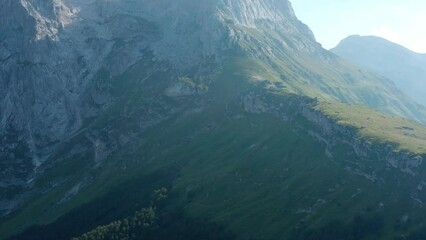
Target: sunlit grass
{"type": "Point", "coordinates": [378, 127]}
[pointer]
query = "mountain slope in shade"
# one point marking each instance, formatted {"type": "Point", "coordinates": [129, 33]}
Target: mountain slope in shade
{"type": "Point", "coordinates": [397, 63]}
{"type": "Point", "coordinates": [230, 105]}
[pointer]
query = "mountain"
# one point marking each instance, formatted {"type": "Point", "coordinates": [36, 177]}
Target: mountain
{"type": "Point", "coordinates": [404, 67]}
{"type": "Point", "coordinates": [215, 119]}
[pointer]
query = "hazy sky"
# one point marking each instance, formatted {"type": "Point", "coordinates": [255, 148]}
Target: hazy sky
{"type": "Point", "coordinates": [401, 21]}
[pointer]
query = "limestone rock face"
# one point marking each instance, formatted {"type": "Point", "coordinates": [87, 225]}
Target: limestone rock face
{"type": "Point", "coordinates": [52, 50]}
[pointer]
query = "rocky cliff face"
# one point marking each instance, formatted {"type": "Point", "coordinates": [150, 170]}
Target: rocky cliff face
{"type": "Point", "coordinates": [39, 87]}
{"type": "Point", "coordinates": [50, 52]}
{"type": "Point", "coordinates": [48, 61]}
{"type": "Point", "coordinates": [268, 17]}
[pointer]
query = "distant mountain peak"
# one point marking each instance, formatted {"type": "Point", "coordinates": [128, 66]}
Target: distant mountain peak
{"type": "Point", "coordinates": [371, 40]}
{"type": "Point", "coordinates": [407, 69]}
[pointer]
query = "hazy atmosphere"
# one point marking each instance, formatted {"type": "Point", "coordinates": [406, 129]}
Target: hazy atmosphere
{"type": "Point", "coordinates": [399, 21]}
{"type": "Point", "coordinates": [212, 120]}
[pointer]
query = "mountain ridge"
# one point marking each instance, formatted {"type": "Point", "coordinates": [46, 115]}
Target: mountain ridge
{"type": "Point", "coordinates": [397, 63]}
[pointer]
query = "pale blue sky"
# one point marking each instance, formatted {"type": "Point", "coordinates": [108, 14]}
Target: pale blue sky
{"type": "Point", "coordinates": [401, 21]}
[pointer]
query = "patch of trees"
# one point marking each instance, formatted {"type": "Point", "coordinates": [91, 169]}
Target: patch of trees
{"type": "Point", "coordinates": [121, 201]}
{"type": "Point", "coordinates": [143, 222]}
{"type": "Point", "coordinates": [157, 222]}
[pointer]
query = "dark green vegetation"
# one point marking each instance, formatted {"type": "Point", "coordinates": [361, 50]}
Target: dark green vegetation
{"type": "Point", "coordinates": [358, 228]}
{"type": "Point", "coordinates": [249, 173]}
{"type": "Point", "coordinates": [239, 160]}
{"type": "Point", "coordinates": [258, 191]}
{"type": "Point", "coordinates": [158, 220]}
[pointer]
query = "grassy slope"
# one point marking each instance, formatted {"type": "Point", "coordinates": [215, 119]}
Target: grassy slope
{"type": "Point", "coordinates": [255, 179]}
{"type": "Point", "coordinates": [325, 76]}
{"type": "Point", "coordinates": [378, 127]}
{"type": "Point", "coordinates": [252, 173]}
{"type": "Point", "coordinates": [373, 125]}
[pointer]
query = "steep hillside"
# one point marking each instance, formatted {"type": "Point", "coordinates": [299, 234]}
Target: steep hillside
{"type": "Point", "coordinates": [231, 106]}
{"type": "Point", "coordinates": [403, 66]}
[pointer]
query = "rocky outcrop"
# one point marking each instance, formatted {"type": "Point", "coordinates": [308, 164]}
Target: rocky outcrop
{"type": "Point", "coordinates": [332, 135]}
{"type": "Point", "coordinates": [254, 103]}
{"type": "Point", "coordinates": [365, 151]}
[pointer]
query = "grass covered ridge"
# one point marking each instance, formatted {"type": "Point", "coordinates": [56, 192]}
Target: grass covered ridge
{"type": "Point", "coordinates": [378, 127]}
